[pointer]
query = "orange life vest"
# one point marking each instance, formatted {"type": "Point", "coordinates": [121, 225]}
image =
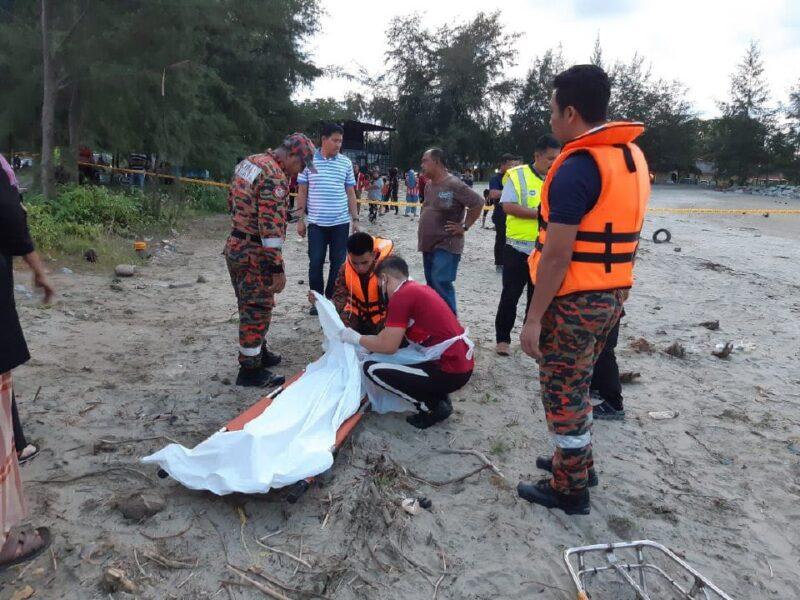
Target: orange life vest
{"type": "Point", "coordinates": [365, 304]}
{"type": "Point", "coordinates": [608, 235]}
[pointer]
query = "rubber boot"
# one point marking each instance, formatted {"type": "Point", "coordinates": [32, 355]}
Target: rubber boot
{"type": "Point", "coordinates": [268, 358]}
{"type": "Point", "coordinates": [542, 493]}
{"type": "Point", "coordinates": [545, 463]}
{"type": "Point", "coordinates": [258, 377]}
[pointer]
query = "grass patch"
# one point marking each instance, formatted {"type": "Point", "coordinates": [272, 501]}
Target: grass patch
{"type": "Point", "coordinates": [488, 399]}
{"type": "Point", "coordinates": [108, 219]}
{"type": "Point", "coordinates": [499, 448]}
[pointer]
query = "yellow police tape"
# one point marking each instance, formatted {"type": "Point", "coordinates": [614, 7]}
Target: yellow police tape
{"type": "Point", "coordinates": [159, 175]}
{"type": "Point", "coordinates": [727, 211]}
{"type": "Point", "coordinates": [656, 209]}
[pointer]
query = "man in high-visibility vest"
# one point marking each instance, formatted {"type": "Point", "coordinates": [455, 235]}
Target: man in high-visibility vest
{"type": "Point", "coordinates": [593, 205]}
{"type": "Point", "coordinates": [356, 294]}
{"type": "Point", "coordinates": [522, 194]}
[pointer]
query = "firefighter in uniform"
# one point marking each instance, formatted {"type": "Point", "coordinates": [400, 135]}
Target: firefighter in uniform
{"type": "Point", "coordinates": [594, 201]}
{"type": "Point", "coordinates": [257, 200]}
{"type": "Point", "coordinates": [356, 293]}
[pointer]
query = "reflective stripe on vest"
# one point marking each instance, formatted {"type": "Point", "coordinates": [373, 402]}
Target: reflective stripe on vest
{"type": "Point", "coordinates": [608, 235]}
{"type": "Point", "coordinates": [366, 306]}
{"type": "Point", "coordinates": [528, 188]}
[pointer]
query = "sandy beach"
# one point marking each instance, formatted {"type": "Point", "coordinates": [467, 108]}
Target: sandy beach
{"type": "Point", "coordinates": [120, 372]}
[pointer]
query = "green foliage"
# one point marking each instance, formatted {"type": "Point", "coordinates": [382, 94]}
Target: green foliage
{"type": "Point", "coordinates": [741, 136]}
{"type": "Point", "coordinates": [206, 199]}
{"type": "Point", "coordinates": [196, 82]}
{"type": "Point", "coordinates": [84, 214]}
{"type": "Point", "coordinates": [444, 87]}
{"type": "Point", "coordinates": [531, 116]}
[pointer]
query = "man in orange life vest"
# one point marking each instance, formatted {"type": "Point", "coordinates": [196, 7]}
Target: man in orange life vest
{"type": "Point", "coordinates": [356, 295]}
{"type": "Point", "coordinates": [593, 205]}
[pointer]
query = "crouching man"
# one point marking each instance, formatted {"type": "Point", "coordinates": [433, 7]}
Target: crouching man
{"type": "Point", "coordinates": [438, 357]}
{"type": "Point", "coordinates": [356, 293]}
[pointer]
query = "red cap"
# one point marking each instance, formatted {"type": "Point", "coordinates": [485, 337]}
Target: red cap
{"type": "Point", "coordinates": [300, 144]}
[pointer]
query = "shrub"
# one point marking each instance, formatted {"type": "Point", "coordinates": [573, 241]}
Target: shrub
{"type": "Point", "coordinates": [207, 199]}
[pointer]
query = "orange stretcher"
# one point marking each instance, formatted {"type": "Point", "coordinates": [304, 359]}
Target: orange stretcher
{"type": "Point", "coordinates": [345, 429]}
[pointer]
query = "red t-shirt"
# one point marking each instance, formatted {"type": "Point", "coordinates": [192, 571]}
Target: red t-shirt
{"type": "Point", "coordinates": [429, 321]}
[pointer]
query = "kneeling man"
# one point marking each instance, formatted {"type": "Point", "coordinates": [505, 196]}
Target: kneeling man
{"type": "Point", "coordinates": [417, 315]}
{"type": "Point", "coordinates": [356, 294]}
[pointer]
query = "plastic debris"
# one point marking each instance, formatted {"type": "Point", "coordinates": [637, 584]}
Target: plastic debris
{"type": "Point", "coordinates": [411, 506]}
{"type": "Point", "coordinates": [663, 415]}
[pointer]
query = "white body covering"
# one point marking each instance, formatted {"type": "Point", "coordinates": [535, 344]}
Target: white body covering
{"type": "Point", "coordinates": [294, 437]}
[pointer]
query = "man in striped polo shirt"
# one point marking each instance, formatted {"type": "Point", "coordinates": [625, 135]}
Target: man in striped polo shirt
{"type": "Point", "coordinates": [327, 199]}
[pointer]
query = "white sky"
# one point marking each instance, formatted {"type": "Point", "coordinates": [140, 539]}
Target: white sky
{"type": "Point", "coordinates": [696, 41]}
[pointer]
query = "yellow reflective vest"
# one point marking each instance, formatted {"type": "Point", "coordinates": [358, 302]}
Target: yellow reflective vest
{"type": "Point", "coordinates": [528, 187]}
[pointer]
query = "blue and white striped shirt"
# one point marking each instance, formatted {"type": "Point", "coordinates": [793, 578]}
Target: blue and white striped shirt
{"type": "Point", "coordinates": [327, 190]}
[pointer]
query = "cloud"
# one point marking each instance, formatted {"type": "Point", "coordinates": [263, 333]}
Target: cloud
{"type": "Point", "coordinates": [592, 9]}
{"type": "Point", "coordinates": [696, 42]}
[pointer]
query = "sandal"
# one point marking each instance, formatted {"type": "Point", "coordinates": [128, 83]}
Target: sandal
{"type": "Point", "coordinates": [23, 458]}
{"type": "Point", "coordinates": [22, 545]}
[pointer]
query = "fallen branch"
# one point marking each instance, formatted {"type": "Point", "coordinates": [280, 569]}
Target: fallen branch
{"type": "Point", "coordinates": [138, 564]}
{"type": "Point", "coordinates": [169, 562]}
{"type": "Point", "coordinates": [258, 585]}
{"type": "Point", "coordinates": [154, 538]}
{"type": "Point", "coordinates": [448, 481]}
{"type": "Point", "coordinates": [376, 496]}
{"type": "Point", "coordinates": [703, 444]}
{"type": "Point", "coordinates": [285, 587]}
{"type": "Point", "coordinates": [436, 587]}
{"type": "Point", "coordinates": [547, 585]}
{"type": "Point", "coordinates": [182, 583]}
{"type": "Point", "coordinates": [382, 566]}
{"type": "Point", "coordinates": [269, 535]}
{"type": "Point", "coordinates": [410, 560]}
{"type": "Point", "coordinates": [283, 552]}
{"type": "Point", "coordinates": [479, 455]}
{"type": "Point", "coordinates": [92, 474]}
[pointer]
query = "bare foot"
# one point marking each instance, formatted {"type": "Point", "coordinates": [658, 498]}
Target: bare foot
{"type": "Point", "coordinates": [503, 349]}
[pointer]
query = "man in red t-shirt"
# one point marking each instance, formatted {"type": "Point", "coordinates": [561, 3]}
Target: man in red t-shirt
{"type": "Point", "coordinates": [417, 314]}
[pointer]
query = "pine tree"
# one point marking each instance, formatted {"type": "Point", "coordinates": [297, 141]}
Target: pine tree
{"type": "Point", "coordinates": [741, 135]}
{"type": "Point", "coordinates": [531, 113]}
{"type": "Point", "coordinates": [597, 53]}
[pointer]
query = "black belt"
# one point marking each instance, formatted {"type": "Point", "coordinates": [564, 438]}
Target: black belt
{"type": "Point", "coordinates": [241, 235]}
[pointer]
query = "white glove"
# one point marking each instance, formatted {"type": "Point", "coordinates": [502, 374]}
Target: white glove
{"type": "Point", "coordinates": [350, 336]}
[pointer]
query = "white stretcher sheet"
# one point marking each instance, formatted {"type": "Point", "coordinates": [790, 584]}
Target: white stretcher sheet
{"type": "Point", "coordinates": [291, 440]}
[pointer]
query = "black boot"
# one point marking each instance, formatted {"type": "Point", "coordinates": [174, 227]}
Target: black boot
{"type": "Point", "coordinates": [542, 493]}
{"type": "Point", "coordinates": [258, 377]}
{"type": "Point", "coordinates": [268, 358]}
{"type": "Point", "coordinates": [423, 420]}
{"type": "Point", "coordinates": [545, 463]}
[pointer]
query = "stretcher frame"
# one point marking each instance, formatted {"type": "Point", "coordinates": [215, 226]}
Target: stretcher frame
{"type": "Point", "coordinates": [296, 490]}
{"type": "Point", "coordinates": [579, 572]}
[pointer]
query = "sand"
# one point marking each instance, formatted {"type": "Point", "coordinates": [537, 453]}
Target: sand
{"type": "Point", "coordinates": [719, 484]}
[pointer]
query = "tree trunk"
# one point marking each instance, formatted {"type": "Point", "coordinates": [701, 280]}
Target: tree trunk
{"type": "Point", "coordinates": [74, 124]}
{"type": "Point", "coordinates": [48, 106]}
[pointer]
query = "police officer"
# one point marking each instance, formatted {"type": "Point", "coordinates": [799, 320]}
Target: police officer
{"type": "Point", "coordinates": [257, 201]}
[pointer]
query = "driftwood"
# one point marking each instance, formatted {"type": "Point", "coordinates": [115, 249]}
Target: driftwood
{"type": "Point", "coordinates": [283, 552]}
{"type": "Point", "coordinates": [267, 591]}
{"type": "Point", "coordinates": [479, 455]}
